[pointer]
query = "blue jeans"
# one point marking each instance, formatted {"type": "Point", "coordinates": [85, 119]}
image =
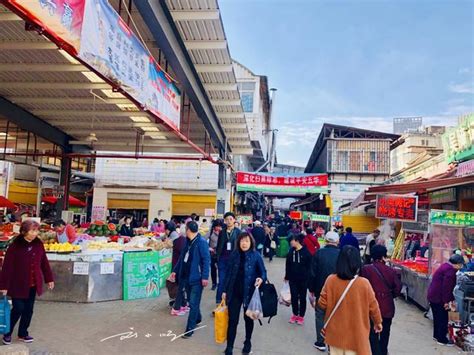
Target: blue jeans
{"type": "Point", "coordinates": [194, 293]}
{"type": "Point", "coordinates": [222, 273]}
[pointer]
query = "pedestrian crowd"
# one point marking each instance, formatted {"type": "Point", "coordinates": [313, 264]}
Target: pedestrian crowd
{"type": "Point", "coordinates": [352, 294]}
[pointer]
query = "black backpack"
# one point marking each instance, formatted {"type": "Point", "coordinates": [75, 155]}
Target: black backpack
{"type": "Point", "coordinates": [269, 299]}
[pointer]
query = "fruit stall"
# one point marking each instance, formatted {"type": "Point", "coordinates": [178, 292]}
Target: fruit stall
{"type": "Point", "coordinates": [102, 266]}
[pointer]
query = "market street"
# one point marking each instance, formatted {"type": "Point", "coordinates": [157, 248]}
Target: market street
{"type": "Point", "coordinates": [67, 328]}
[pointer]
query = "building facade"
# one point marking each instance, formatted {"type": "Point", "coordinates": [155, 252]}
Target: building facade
{"type": "Point", "coordinates": [403, 125]}
{"type": "Point", "coordinates": [411, 148]}
{"type": "Point", "coordinates": [255, 98]}
{"type": "Point", "coordinates": [354, 160]}
{"type": "Point", "coordinates": [155, 188]}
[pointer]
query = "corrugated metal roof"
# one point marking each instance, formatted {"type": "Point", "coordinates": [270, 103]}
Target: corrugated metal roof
{"type": "Point", "coordinates": [200, 25]}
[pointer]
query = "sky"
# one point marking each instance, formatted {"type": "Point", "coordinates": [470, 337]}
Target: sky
{"type": "Point", "coordinates": [356, 63]}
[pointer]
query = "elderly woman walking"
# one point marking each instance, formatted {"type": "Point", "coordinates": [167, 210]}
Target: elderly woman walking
{"type": "Point", "coordinates": [24, 269]}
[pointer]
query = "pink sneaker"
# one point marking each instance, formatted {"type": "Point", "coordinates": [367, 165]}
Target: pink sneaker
{"type": "Point", "coordinates": [293, 319]}
{"type": "Point", "coordinates": [177, 313]}
{"type": "Point", "coordinates": [300, 320]}
{"type": "Point", "coordinates": [184, 309]}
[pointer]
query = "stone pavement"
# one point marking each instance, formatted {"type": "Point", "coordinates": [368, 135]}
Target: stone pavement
{"type": "Point", "coordinates": [66, 328]}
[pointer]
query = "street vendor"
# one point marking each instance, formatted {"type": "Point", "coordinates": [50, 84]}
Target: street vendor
{"type": "Point", "coordinates": [126, 230]}
{"type": "Point", "coordinates": [65, 232]}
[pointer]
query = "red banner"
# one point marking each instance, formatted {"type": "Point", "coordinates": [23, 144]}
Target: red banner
{"type": "Point", "coordinates": [61, 18]}
{"type": "Point", "coordinates": [397, 207]}
{"type": "Point", "coordinates": [283, 180]}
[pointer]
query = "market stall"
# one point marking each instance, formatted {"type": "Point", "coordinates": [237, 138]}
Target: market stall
{"type": "Point", "coordinates": [100, 265]}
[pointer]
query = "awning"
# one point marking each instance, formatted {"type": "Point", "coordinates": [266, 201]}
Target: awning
{"type": "Point", "coordinates": [4, 202]}
{"type": "Point", "coordinates": [72, 201]}
{"type": "Point", "coordinates": [419, 187]}
{"type": "Point", "coordinates": [305, 201]}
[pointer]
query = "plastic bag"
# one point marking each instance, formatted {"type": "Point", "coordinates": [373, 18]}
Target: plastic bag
{"type": "Point", "coordinates": [285, 295]}
{"type": "Point", "coordinates": [255, 310]}
{"type": "Point", "coordinates": [4, 315]}
{"type": "Point", "coordinates": [221, 322]}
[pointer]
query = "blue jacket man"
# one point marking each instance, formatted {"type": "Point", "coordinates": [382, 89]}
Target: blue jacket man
{"type": "Point", "coordinates": [192, 273]}
{"type": "Point", "coordinates": [349, 239]}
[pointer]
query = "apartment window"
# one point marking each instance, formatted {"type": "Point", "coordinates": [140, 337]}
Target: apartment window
{"type": "Point", "coordinates": [247, 91]}
{"type": "Point", "coordinates": [247, 101]}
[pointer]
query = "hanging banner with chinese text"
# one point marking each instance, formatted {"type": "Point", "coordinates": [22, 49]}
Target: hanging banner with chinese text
{"type": "Point", "coordinates": [110, 47]}
{"type": "Point", "coordinates": [320, 218]}
{"type": "Point", "coordinates": [60, 18]}
{"type": "Point", "coordinates": [452, 218]}
{"type": "Point", "coordinates": [397, 207]}
{"type": "Point", "coordinates": [301, 183]}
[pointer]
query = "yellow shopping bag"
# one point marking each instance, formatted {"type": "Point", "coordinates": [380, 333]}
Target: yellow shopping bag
{"type": "Point", "coordinates": [221, 322]}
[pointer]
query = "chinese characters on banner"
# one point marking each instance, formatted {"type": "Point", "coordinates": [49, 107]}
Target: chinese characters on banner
{"type": "Point", "coordinates": [61, 18]}
{"type": "Point", "coordinates": [452, 218]}
{"type": "Point", "coordinates": [303, 183]}
{"type": "Point", "coordinates": [98, 36]}
{"type": "Point", "coordinates": [112, 49]}
{"type": "Point", "coordinates": [397, 207]}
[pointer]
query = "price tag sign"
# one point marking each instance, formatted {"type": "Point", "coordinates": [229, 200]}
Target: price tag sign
{"type": "Point", "coordinates": [106, 268]}
{"type": "Point", "coordinates": [80, 268]}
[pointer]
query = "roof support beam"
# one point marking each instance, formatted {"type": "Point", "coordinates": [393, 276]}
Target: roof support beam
{"type": "Point", "coordinates": [242, 151]}
{"type": "Point", "coordinates": [229, 126]}
{"type": "Point", "coordinates": [29, 122]}
{"type": "Point", "coordinates": [67, 100]}
{"type": "Point", "coordinates": [231, 115]}
{"type": "Point", "coordinates": [226, 102]}
{"type": "Point", "coordinates": [13, 45]}
{"type": "Point", "coordinates": [183, 15]}
{"type": "Point", "coordinates": [161, 24]}
{"type": "Point", "coordinates": [89, 113]}
{"type": "Point", "coordinates": [9, 16]}
{"type": "Point", "coordinates": [54, 85]}
{"type": "Point", "coordinates": [133, 144]}
{"type": "Point", "coordinates": [221, 87]}
{"type": "Point", "coordinates": [34, 67]}
{"type": "Point", "coordinates": [190, 45]}
{"type": "Point", "coordinates": [213, 68]}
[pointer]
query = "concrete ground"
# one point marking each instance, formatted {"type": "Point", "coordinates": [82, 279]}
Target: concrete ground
{"type": "Point", "coordinates": [64, 328]}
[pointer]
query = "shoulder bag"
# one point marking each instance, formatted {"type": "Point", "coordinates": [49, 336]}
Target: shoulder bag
{"type": "Point", "coordinates": [390, 289]}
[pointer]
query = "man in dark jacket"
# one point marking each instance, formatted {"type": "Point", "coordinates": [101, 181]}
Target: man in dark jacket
{"type": "Point", "coordinates": [225, 247]}
{"type": "Point", "coordinates": [323, 264]}
{"type": "Point", "coordinates": [258, 233]}
{"type": "Point", "coordinates": [349, 239]}
{"type": "Point", "coordinates": [192, 272]}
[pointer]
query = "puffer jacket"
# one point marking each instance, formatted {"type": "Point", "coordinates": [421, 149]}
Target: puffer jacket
{"type": "Point", "coordinates": [254, 268]}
